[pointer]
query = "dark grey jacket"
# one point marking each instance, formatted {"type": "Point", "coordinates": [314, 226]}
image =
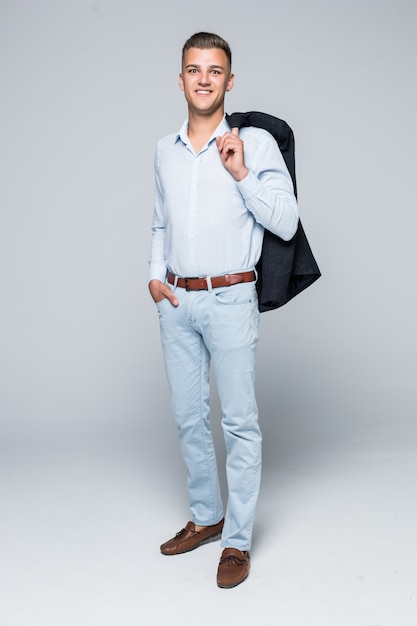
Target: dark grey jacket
{"type": "Point", "coordinates": [285, 268]}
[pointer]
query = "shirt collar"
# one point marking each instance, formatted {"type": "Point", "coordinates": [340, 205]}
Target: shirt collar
{"type": "Point", "coordinates": [222, 128]}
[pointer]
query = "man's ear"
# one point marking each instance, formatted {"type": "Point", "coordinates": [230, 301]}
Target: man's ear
{"type": "Point", "coordinates": [230, 82]}
{"type": "Point", "coordinates": [181, 82]}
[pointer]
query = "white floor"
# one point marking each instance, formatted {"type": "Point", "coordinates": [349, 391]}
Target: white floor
{"type": "Point", "coordinates": [335, 541]}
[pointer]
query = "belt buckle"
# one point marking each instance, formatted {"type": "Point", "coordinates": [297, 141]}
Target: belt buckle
{"type": "Point", "coordinates": [196, 278]}
{"type": "Point", "coordinates": [186, 283]}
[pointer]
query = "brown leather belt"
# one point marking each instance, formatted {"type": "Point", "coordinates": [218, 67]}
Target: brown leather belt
{"type": "Point", "coordinates": [198, 284]}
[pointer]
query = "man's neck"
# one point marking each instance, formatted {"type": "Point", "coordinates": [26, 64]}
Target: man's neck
{"type": "Point", "coordinates": [201, 127]}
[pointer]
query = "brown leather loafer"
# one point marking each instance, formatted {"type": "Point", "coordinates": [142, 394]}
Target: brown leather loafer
{"type": "Point", "coordinates": [189, 538]}
{"type": "Point", "coordinates": [233, 568]}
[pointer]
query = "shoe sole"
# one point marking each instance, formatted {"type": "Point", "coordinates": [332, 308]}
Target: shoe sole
{"type": "Point", "coordinates": [232, 585]}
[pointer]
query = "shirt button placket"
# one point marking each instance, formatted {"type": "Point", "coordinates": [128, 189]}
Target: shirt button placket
{"type": "Point", "coordinates": [192, 211]}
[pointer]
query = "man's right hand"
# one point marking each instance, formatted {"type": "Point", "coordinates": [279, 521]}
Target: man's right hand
{"type": "Point", "coordinates": [159, 291]}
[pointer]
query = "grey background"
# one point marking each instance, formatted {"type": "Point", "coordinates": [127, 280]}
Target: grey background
{"type": "Point", "coordinates": [87, 88]}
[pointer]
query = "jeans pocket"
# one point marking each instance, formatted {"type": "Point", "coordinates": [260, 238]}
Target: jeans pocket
{"type": "Point", "coordinates": [237, 294]}
{"type": "Point", "coordinates": [162, 304]}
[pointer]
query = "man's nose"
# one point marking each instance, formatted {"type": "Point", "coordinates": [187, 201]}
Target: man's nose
{"type": "Point", "coordinates": [204, 78]}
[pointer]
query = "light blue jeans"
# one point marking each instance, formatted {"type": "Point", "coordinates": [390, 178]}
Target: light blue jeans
{"type": "Point", "coordinates": [219, 325]}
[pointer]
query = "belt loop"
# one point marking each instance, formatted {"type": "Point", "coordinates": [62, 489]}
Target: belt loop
{"type": "Point", "coordinates": [209, 285]}
{"type": "Point", "coordinates": [175, 282]}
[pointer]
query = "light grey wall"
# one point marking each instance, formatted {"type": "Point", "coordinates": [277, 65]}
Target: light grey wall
{"type": "Point", "coordinates": [86, 90]}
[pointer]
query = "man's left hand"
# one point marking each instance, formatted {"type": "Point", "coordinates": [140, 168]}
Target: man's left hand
{"type": "Point", "coordinates": [231, 152]}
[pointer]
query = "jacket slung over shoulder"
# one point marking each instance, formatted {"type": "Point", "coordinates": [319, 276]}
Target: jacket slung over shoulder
{"type": "Point", "coordinates": [285, 268]}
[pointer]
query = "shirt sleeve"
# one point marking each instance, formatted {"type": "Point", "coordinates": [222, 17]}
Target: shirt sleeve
{"type": "Point", "coordinates": [268, 191]}
{"type": "Point", "coordinates": [157, 262]}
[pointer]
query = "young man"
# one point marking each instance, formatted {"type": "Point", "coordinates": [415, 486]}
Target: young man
{"type": "Point", "coordinates": [216, 191]}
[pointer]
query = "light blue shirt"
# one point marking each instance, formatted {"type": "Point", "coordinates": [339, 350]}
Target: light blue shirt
{"type": "Point", "coordinates": [207, 224]}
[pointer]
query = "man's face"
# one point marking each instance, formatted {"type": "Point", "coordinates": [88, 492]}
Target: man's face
{"type": "Point", "coordinates": [205, 78]}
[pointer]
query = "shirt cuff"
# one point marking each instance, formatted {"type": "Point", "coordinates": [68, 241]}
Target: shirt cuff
{"type": "Point", "coordinates": [248, 187]}
{"type": "Point", "coordinates": [157, 271]}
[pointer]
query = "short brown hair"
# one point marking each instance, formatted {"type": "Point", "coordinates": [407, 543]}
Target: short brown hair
{"type": "Point", "coordinates": [207, 40]}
